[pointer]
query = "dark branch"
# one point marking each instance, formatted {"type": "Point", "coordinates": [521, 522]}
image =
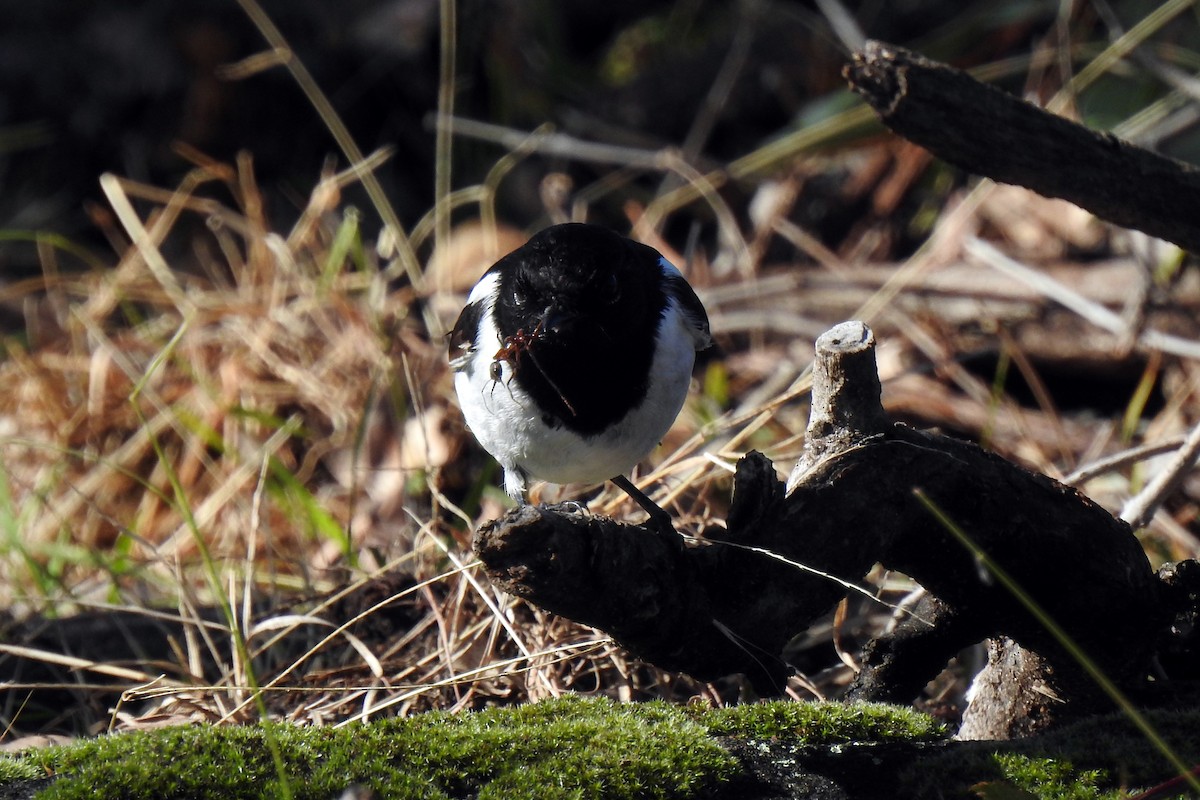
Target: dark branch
{"type": "Point", "coordinates": [988, 132]}
{"type": "Point", "coordinates": [637, 586]}
{"type": "Point", "coordinates": [732, 603]}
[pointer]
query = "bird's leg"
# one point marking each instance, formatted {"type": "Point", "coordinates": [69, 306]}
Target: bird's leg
{"type": "Point", "coordinates": [516, 483]}
{"type": "Point", "coordinates": [660, 520]}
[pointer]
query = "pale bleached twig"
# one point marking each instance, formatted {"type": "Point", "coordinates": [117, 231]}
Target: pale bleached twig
{"type": "Point", "coordinates": [558, 144]}
{"type": "Point", "coordinates": [1117, 460]}
{"type": "Point", "coordinates": [1141, 508]}
{"type": "Point", "coordinates": [1094, 313]}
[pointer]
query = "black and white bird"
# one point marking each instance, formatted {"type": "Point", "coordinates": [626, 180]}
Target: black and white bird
{"type": "Point", "coordinates": [573, 357]}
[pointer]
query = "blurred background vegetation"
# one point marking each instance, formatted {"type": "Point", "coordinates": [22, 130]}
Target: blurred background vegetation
{"type": "Point", "coordinates": [86, 89]}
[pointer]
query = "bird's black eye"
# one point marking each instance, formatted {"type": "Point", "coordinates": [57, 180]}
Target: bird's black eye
{"type": "Point", "coordinates": [517, 295]}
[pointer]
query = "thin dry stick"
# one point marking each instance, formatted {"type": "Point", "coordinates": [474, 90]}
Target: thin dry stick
{"type": "Point", "coordinates": [63, 660]}
{"type": "Point", "coordinates": [1139, 510]}
{"type": "Point", "coordinates": [335, 634]}
{"type": "Point", "coordinates": [557, 144]}
{"type": "Point", "coordinates": [898, 609]}
{"type": "Point", "coordinates": [718, 93]}
{"type": "Point", "coordinates": [445, 132]}
{"type": "Point", "coordinates": [1091, 311]}
{"type": "Point", "coordinates": [341, 134]}
{"type": "Point", "coordinates": [465, 570]}
{"type": "Point", "coordinates": [147, 246]}
{"type": "Point", "coordinates": [506, 667]}
{"type": "Point", "coordinates": [1122, 459]}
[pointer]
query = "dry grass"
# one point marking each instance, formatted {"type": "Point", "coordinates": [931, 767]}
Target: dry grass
{"type": "Point", "coordinates": [251, 432]}
{"type": "Point", "coordinates": [265, 444]}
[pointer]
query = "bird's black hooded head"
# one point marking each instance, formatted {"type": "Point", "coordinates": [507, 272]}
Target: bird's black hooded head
{"type": "Point", "coordinates": [577, 310]}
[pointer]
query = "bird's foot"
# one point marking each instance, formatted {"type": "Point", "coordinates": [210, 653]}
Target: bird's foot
{"type": "Point", "coordinates": [571, 507]}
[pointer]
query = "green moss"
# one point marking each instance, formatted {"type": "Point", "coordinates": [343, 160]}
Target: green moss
{"type": "Point", "coordinates": [18, 769]}
{"type": "Point", "coordinates": [571, 747]}
{"type": "Point", "coordinates": [563, 748]}
{"type": "Point", "coordinates": [822, 723]}
{"type": "Point", "coordinates": [595, 748]}
{"type": "Point", "coordinates": [1051, 778]}
{"type": "Point", "coordinates": [1093, 759]}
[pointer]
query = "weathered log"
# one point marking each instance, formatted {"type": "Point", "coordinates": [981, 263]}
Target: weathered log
{"type": "Point", "coordinates": [731, 604]}
{"type": "Point", "coordinates": [642, 588]}
{"type": "Point", "coordinates": [989, 132]}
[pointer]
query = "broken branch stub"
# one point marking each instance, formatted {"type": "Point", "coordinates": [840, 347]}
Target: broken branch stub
{"type": "Point", "coordinates": [1082, 567]}
{"type": "Point", "coordinates": [846, 408]}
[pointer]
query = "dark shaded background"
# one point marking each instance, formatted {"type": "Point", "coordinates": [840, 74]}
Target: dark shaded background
{"type": "Point", "coordinates": [88, 87]}
{"type": "Point", "coordinates": [92, 87]}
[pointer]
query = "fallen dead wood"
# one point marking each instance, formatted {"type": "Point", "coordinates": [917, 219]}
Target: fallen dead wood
{"type": "Point", "coordinates": [988, 132]}
{"type": "Point", "coordinates": [731, 602]}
